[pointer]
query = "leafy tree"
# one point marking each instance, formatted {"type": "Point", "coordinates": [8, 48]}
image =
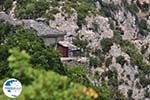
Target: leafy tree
{"type": "Point", "coordinates": [31, 9]}
{"type": "Point", "coordinates": [83, 8]}
{"type": "Point", "coordinates": [130, 92]}
{"type": "Point", "coordinates": [8, 4]}
{"type": "Point", "coordinates": [131, 50]}
{"type": "Point", "coordinates": [133, 8]}
{"type": "Point", "coordinates": [41, 55]}
{"type": "Point", "coordinates": [147, 93]}
{"type": "Point", "coordinates": [107, 9]}
{"type": "Point", "coordinates": [117, 36]}
{"type": "Point", "coordinates": [51, 87]}
{"type": "Point", "coordinates": [109, 93]}
{"type": "Point", "coordinates": [5, 30]}
{"type": "Point", "coordinates": [121, 60]}
{"type": "Point", "coordinates": [137, 59]}
{"type": "Point", "coordinates": [113, 80]}
{"type": "Point", "coordinates": [96, 62]}
{"type": "Point", "coordinates": [108, 61]}
{"type": "Point", "coordinates": [77, 73]}
{"type": "Point", "coordinates": [4, 69]}
{"type": "Point", "coordinates": [143, 80]}
{"type": "Point", "coordinates": [106, 44]}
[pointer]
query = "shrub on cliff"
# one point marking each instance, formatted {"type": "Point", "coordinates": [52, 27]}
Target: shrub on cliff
{"type": "Point", "coordinates": [106, 44]}
{"type": "Point", "coordinates": [29, 41]}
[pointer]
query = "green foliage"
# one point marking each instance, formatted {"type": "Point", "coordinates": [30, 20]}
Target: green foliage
{"type": "Point", "coordinates": [46, 8]}
{"type": "Point", "coordinates": [143, 27]}
{"type": "Point", "coordinates": [4, 69]}
{"type": "Point", "coordinates": [41, 55]}
{"type": "Point", "coordinates": [51, 87]}
{"type": "Point", "coordinates": [1, 8]}
{"type": "Point", "coordinates": [19, 63]}
{"type": "Point", "coordinates": [143, 24]}
{"type": "Point", "coordinates": [144, 7]}
{"type": "Point", "coordinates": [145, 69]}
{"type": "Point", "coordinates": [130, 92]}
{"type": "Point", "coordinates": [106, 44]}
{"type": "Point", "coordinates": [117, 36]}
{"type": "Point", "coordinates": [133, 8]}
{"type": "Point", "coordinates": [5, 30]}
{"type": "Point", "coordinates": [106, 9]}
{"type": "Point", "coordinates": [112, 78]}
{"type": "Point", "coordinates": [83, 8]}
{"type": "Point", "coordinates": [109, 93]}
{"type": "Point", "coordinates": [135, 56]}
{"type": "Point", "coordinates": [97, 52]}
{"type": "Point", "coordinates": [8, 4]}
{"type": "Point", "coordinates": [121, 60]}
{"type": "Point", "coordinates": [18, 58]}
{"type": "Point", "coordinates": [77, 73]}
{"type": "Point", "coordinates": [143, 80]}
{"type": "Point", "coordinates": [131, 50]}
{"type": "Point", "coordinates": [144, 48]}
{"type": "Point", "coordinates": [112, 25]}
{"type": "Point", "coordinates": [82, 44]}
{"type": "Point", "coordinates": [108, 61]}
{"type": "Point", "coordinates": [34, 9]}
{"type": "Point", "coordinates": [147, 94]}
{"type": "Point", "coordinates": [106, 92]}
{"type": "Point", "coordinates": [96, 62]}
{"type": "Point", "coordinates": [137, 59]}
{"type": "Point", "coordinates": [78, 69]}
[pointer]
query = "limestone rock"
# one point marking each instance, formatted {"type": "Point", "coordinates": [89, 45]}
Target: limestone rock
{"type": "Point", "coordinates": [127, 23]}
{"type": "Point", "coordinates": [7, 18]}
{"type": "Point", "coordinates": [68, 25]}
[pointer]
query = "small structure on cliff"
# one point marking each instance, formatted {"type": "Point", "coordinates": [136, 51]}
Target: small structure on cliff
{"type": "Point", "coordinates": [50, 36]}
{"type": "Point", "coordinates": [67, 49]}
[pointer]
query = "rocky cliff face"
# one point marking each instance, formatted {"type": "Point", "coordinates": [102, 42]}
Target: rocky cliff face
{"type": "Point", "coordinates": [127, 21]}
{"type": "Point", "coordinates": [99, 27]}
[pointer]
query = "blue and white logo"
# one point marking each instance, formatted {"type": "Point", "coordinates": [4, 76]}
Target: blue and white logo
{"type": "Point", "coordinates": [12, 88]}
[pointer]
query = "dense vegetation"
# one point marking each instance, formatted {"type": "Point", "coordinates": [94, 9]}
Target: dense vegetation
{"type": "Point", "coordinates": [18, 64]}
{"type": "Point", "coordinates": [106, 44]}
{"type": "Point", "coordinates": [52, 87]}
{"type": "Point", "coordinates": [42, 58]}
{"type": "Point", "coordinates": [83, 8]}
{"type": "Point", "coordinates": [135, 57]}
{"type": "Point", "coordinates": [33, 69]}
{"type": "Point", "coordinates": [43, 8]}
{"type": "Point", "coordinates": [33, 61]}
{"type": "Point", "coordinates": [41, 55]}
{"type": "Point", "coordinates": [34, 9]}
